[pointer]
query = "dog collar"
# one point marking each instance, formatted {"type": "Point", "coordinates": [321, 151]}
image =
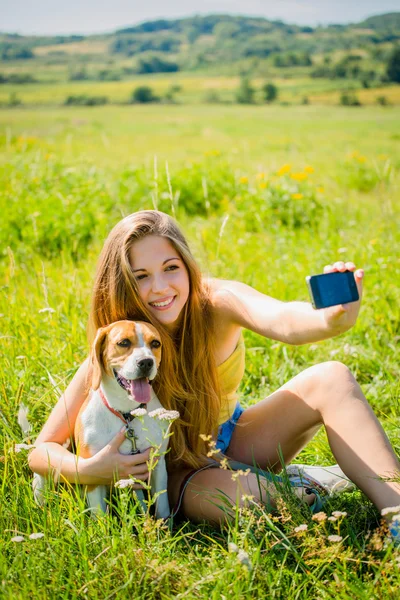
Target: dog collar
{"type": "Point", "coordinates": [125, 417]}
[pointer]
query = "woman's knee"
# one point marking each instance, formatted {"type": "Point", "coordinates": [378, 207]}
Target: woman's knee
{"type": "Point", "coordinates": [327, 384]}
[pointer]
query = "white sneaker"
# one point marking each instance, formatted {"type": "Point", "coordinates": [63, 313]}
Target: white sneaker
{"type": "Point", "coordinates": [331, 479]}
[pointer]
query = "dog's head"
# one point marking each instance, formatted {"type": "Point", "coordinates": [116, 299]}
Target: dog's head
{"type": "Point", "coordinates": [130, 351]}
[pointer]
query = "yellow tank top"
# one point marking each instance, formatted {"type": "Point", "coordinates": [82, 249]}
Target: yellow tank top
{"type": "Point", "coordinates": [230, 375]}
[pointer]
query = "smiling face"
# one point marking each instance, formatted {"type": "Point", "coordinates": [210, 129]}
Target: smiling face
{"type": "Point", "coordinates": [162, 278]}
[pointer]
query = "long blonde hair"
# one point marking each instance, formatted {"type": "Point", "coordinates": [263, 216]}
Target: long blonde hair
{"type": "Point", "coordinates": [187, 378]}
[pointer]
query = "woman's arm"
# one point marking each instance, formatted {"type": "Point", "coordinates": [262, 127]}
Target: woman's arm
{"type": "Point", "coordinates": [49, 457]}
{"type": "Point", "coordinates": [290, 322]}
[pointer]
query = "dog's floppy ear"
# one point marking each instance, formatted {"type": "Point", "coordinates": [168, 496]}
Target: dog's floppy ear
{"type": "Point", "coordinates": [97, 357]}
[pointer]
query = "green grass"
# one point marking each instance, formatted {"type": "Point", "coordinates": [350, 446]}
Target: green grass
{"type": "Point", "coordinates": [66, 177]}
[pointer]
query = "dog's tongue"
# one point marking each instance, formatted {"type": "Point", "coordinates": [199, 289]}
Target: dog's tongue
{"type": "Point", "coordinates": [141, 390]}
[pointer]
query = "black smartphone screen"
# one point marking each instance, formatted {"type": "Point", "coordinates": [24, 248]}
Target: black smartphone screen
{"type": "Point", "coordinates": [331, 289]}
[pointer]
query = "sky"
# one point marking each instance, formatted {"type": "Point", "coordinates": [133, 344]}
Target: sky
{"type": "Point", "coordinates": [52, 17]}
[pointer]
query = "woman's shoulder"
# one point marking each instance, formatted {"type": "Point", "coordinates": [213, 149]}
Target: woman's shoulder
{"type": "Point", "coordinates": [223, 291]}
{"type": "Point", "coordinates": [224, 295]}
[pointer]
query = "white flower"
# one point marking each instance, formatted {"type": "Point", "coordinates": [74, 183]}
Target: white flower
{"type": "Point", "coordinates": [20, 357]}
{"type": "Point", "coordinates": [243, 558]}
{"type": "Point", "coordinates": [22, 419]}
{"type": "Point", "coordinates": [18, 538]}
{"type": "Point", "coordinates": [302, 527]}
{"type": "Point", "coordinates": [338, 514]}
{"type": "Point", "coordinates": [164, 415]}
{"type": "Point", "coordinates": [232, 547]}
{"type": "Point", "coordinates": [319, 516]}
{"type": "Point", "coordinates": [156, 412]}
{"type": "Point", "coordinates": [139, 412]}
{"type": "Point", "coordinates": [19, 447]}
{"type": "Point", "coordinates": [390, 510]}
{"type": "Point", "coordinates": [396, 518]}
{"type": "Point", "coordinates": [332, 519]}
{"type": "Point", "coordinates": [124, 483]}
{"type": "Point", "coordinates": [36, 536]}
{"type": "Point", "coordinates": [47, 309]}
{"type": "Point", "coordinates": [335, 538]}
{"type": "Point", "coordinates": [169, 415]}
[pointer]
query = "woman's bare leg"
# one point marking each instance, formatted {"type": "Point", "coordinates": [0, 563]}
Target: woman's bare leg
{"type": "Point", "coordinates": [323, 394]}
{"type": "Point", "coordinates": [202, 500]}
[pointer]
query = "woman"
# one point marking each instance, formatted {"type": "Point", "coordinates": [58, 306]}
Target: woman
{"type": "Point", "coordinates": [147, 272]}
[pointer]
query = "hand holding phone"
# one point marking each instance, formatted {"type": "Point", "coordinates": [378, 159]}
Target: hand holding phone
{"type": "Point", "coordinates": [332, 289]}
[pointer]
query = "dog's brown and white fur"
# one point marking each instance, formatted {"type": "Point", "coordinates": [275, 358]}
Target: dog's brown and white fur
{"type": "Point", "coordinates": [126, 356]}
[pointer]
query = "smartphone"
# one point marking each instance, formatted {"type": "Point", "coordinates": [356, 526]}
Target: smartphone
{"type": "Point", "coordinates": [331, 289]}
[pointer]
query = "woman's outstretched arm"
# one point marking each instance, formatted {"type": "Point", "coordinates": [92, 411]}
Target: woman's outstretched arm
{"type": "Point", "coordinates": [290, 322]}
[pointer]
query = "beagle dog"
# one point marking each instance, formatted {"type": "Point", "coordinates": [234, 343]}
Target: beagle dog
{"type": "Point", "coordinates": [126, 356]}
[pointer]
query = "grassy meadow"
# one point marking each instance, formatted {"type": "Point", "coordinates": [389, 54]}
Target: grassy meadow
{"type": "Point", "coordinates": [266, 195]}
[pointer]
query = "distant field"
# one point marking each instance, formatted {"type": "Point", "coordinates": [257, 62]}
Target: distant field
{"type": "Point", "coordinates": [84, 47]}
{"type": "Point", "coordinates": [193, 89]}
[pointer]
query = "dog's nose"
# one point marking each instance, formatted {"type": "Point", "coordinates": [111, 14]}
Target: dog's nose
{"type": "Point", "coordinates": [145, 364]}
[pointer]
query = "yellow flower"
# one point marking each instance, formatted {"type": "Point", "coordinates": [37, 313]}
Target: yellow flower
{"type": "Point", "coordinates": [283, 170]}
{"type": "Point", "coordinates": [357, 156]}
{"type": "Point", "coordinates": [262, 185]}
{"type": "Point", "coordinates": [244, 179]}
{"type": "Point", "coordinates": [260, 176]}
{"type": "Point", "coordinates": [320, 190]}
{"type": "Point", "coordinates": [309, 169]}
{"type": "Point", "coordinates": [297, 196]}
{"type": "Point", "coordinates": [299, 176]}
{"type": "Point", "coordinates": [373, 242]}
{"type": "Point", "coordinates": [212, 153]}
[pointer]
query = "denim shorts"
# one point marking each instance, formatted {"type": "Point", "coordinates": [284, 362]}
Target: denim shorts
{"type": "Point", "coordinates": [225, 430]}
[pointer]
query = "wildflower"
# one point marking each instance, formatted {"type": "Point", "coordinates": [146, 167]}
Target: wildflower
{"type": "Point", "coordinates": [373, 242]}
{"type": "Point", "coordinates": [36, 536]}
{"type": "Point", "coordinates": [244, 179]}
{"type": "Point", "coordinates": [260, 176]}
{"type": "Point", "coordinates": [154, 413]}
{"type": "Point", "coordinates": [168, 415]}
{"type": "Point", "coordinates": [283, 170]}
{"type": "Point", "coordinates": [338, 514]}
{"type": "Point", "coordinates": [47, 309]}
{"type": "Point", "coordinates": [139, 412]}
{"type": "Point", "coordinates": [232, 547]}
{"type": "Point", "coordinates": [19, 447]}
{"type": "Point", "coordinates": [319, 516]}
{"type": "Point", "coordinates": [332, 519]}
{"type": "Point", "coordinates": [335, 538]}
{"type": "Point", "coordinates": [224, 464]}
{"type": "Point", "coordinates": [18, 538]}
{"type": "Point", "coordinates": [247, 497]}
{"type": "Point", "coordinates": [212, 450]}
{"type": "Point", "coordinates": [297, 196]}
{"type": "Point", "coordinates": [320, 190]}
{"type": "Point", "coordinates": [235, 476]}
{"type": "Point", "coordinates": [262, 185]}
{"type": "Point", "coordinates": [396, 520]}
{"type": "Point", "coordinates": [299, 176]}
{"type": "Point", "coordinates": [124, 483]}
{"type": "Point", "coordinates": [302, 527]}
{"type": "Point", "coordinates": [309, 169]}
{"type": "Point", "coordinates": [390, 510]}
{"type": "Point", "coordinates": [243, 558]}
